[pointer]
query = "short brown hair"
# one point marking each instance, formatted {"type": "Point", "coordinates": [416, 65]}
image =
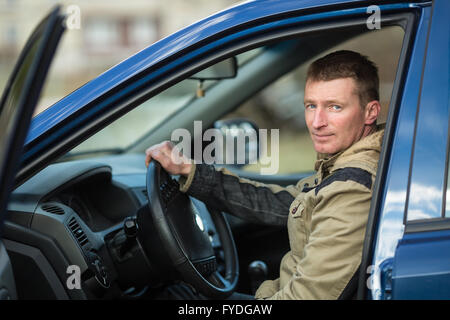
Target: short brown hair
{"type": "Point", "coordinates": [348, 64]}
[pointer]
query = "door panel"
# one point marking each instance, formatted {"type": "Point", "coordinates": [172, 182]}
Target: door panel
{"type": "Point", "coordinates": [421, 265]}
{"type": "Point", "coordinates": [7, 285]}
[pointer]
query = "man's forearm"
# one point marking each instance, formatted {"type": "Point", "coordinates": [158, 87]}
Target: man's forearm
{"type": "Point", "coordinates": [247, 199]}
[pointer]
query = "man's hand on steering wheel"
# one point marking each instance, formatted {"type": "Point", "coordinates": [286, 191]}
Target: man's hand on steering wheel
{"type": "Point", "coordinates": [169, 157]}
{"type": "Point", "coordinates": [170, 228]}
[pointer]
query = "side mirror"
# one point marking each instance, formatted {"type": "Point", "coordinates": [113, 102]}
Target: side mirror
{"type": "Point", "coordinates": [241, 141]}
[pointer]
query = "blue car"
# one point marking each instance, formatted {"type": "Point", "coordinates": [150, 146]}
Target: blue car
{"type": "Point", "coordinates": [83, 217]}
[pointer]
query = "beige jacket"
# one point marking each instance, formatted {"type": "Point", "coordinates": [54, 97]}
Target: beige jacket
{"type": "Point", "coordinates": [326, 217]}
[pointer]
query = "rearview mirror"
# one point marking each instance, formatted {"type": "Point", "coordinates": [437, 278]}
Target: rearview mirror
{"type": "Point", "coordinates": [225, 69]}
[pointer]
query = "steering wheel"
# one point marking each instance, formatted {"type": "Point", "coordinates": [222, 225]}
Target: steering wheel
{"type": "Point", "coordinates": [173, 229]}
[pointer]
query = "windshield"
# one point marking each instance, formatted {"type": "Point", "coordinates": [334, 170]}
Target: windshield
{"type": "Point", "coordinates": [130, 127]}
{"type": "Point", "coordinates": [125, 131]}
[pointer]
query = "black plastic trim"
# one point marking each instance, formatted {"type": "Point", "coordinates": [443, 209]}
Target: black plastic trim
{"type": "Point", "coordinates": [50, 250]}
{"type": "Point", "coordinates": [42, 263]}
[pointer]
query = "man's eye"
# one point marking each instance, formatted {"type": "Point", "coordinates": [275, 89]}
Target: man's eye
{"type": "Point", "coordinates": [336, 107]}
{"type": "Point", "coordinates": [310, 106]}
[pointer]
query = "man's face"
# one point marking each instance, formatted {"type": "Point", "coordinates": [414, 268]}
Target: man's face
{"type": "Point", "coordinates": [333, 114]}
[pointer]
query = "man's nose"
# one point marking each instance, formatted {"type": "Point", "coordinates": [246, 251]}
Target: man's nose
{"type": "Point", "coordinates": [320, 118]}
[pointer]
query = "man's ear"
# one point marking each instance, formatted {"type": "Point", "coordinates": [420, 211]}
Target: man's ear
{"type": "Point", "coordinates": [372, 111]}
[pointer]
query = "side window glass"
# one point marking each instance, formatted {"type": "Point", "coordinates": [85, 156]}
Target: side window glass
{"type": "Point", "coordinates": [119, 134]}
{"type": "Point", "coordinates": [447, 196]}
{"type": "Point", "coordinates": [280, 105]}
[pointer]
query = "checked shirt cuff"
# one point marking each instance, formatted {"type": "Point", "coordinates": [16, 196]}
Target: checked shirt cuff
{"type": "Point", "coordinates": [199, 181]}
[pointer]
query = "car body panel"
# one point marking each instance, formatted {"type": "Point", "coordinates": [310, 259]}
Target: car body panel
{"type": "Point", "coordinates": [391, 199]}
{"type": "Point", "coordinates": [428, 174]}
{"type": "Point", "coordinates": [421, 266]}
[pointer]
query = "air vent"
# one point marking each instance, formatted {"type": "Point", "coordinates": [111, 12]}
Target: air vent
{"type": "Point", "coordinates": [52, 208]}
{"type": "Point", "coordinates": [78, 232]}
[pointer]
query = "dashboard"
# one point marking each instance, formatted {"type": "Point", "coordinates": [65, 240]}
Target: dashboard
{"type": "Point", "coordinates": [72, 214]}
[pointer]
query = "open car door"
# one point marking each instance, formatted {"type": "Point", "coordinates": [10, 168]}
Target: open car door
{"type": "Point", "coordinates": [16, 109]}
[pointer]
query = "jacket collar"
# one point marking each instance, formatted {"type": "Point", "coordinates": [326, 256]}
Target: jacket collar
{"type": "Point", "coordinates": [360, 155]}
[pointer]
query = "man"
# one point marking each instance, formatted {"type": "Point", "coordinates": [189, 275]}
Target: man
{"type": "Point", "coordinates": [326, 213]}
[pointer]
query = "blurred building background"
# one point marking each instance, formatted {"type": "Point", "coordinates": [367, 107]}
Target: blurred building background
{"type": "Point", "coordinates": [108, 31]}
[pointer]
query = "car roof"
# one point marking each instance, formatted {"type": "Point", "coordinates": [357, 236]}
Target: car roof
{"type": "Point", "coordinates": [240, 14]}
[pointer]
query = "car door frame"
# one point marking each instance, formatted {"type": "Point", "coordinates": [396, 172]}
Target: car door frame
{"type": "Point", "coordinates": [420, 266]}
{"type": "Point", "coordinates": [136, 89]}
{"type": "Point", "coordinates": [17, 116]}
{"type": "Point", "coordinates": [392, 251]}
{"type": "Point", "coordinates": [46, 143]}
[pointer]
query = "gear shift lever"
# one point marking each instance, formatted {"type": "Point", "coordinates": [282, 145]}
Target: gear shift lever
{"type": "Point", "coordinates": [258, 272]}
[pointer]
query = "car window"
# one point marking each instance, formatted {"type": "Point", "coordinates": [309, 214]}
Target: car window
{"type": "Point", "coordinates": [140, 121]}
{"type": "Point", "coordinates": [280, 105]}
{"type": "Point", "coordinates": [127, 129]}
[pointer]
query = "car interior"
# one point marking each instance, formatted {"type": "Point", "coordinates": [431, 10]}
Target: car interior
{"type": "Point", "coordinates": [84, 209]}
